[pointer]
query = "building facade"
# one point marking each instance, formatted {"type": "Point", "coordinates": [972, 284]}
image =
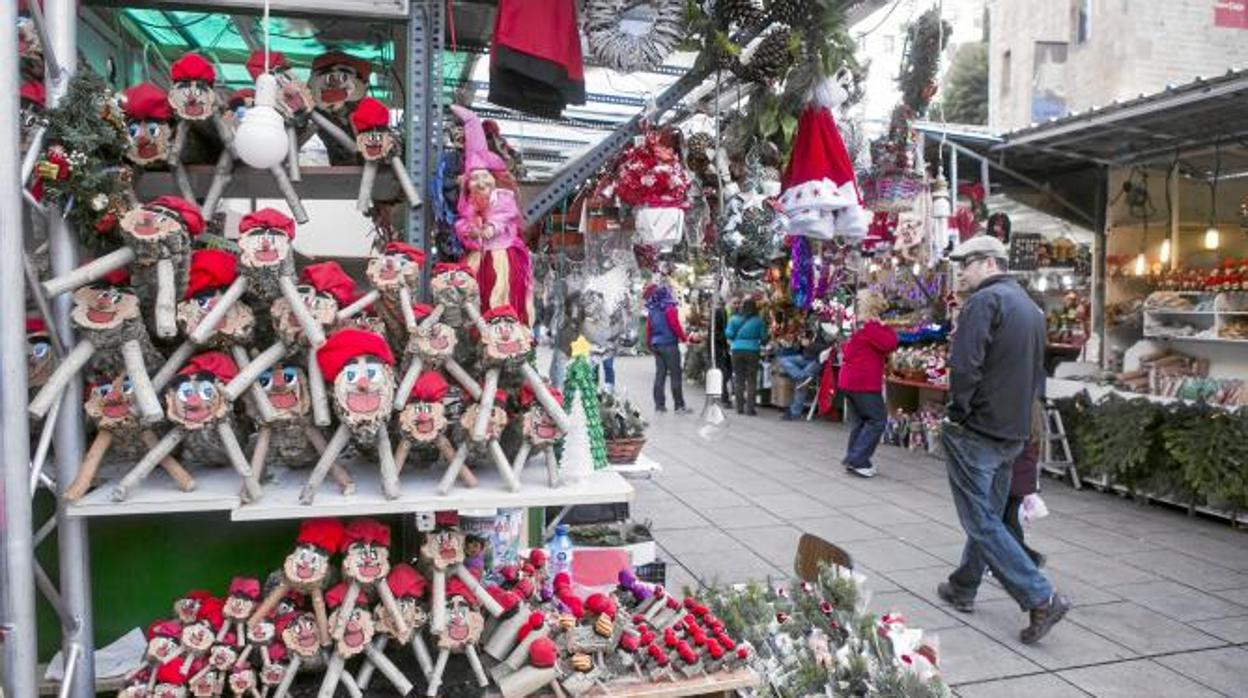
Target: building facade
{"type": "Point", "coordinates": [1050, 59]}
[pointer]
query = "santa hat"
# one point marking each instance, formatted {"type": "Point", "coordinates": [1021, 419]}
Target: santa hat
{"type": "Point", "coordinates": [255, 62]}
{"type": "Point", "coordinates": [180, 208]}
{"type": "Point", "coordinates": [210, 611]}
{"type": "Point", "coordinates": [117, 277]}
{"type": "Point", "coordinates": [346, 344]}
{"type": "Point", "coordinates": [325, 534]}
{"type": "Point", "coordinates": [448, 267]}
{"type": "Point", "coordinates": [421, 310]}
{"type": "Point", "coordinates": [370, 114]}
{"type": "Point", "coordinates": [410, 251]}
{"type": "Point", "coordinates": [210, 269]}
{"type": "Point", "coordinates": [369, 531]}
{"type": "Point", "coordinates": [430, 387]}
{"type": "Point", "coordinates": [528, 397]}
{"type": "Point", "coordinates": [333, 59]}
{"type": "Point", "coordinates": [820, 198]}
{"type": "Point", "coordinates": [192, 66]}
{"type": "Point", "coordinates": [147, 102]}
{"type": "Point", "coordinates": [215, 363]}
{"type": "Point", "coordinates": [338, 593]}
{"type": "Point", "coordinates": [34, 91]}
{"type": "Point", "coordinates": [456, 587]}
{"type": "Point", "coordinates": [35, 326]}
{"type": "Point", "coordinates": [245, 586]}
{"type": "Point", "coordinates": [502, 311]}
{"type": "Point", "coordinates": [267, 218]}
{"type": "Point", "coordinates": [239, 98]}
{"type": "Point", "coordinates": [477, 154]}
{"type": "Point", "coordinates": [171, 673]}
{"type": "Point", "coordinates": [164, 628]}
{"type": "Point", "coordinates": [404, 580]}
{"type": "Point", "coordinates": [543, 653]}
{"type": "Point", "coordinates": [277, 651]}
{"type": "Point", "coordinates": [330, 279]}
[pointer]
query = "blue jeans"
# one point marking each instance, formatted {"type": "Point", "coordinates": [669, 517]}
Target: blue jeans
{"type": "Point", "coordinates": [867, 419]}
{"type": "Point", "coordinates": [608, 370]}
{"type": "Point", "coordinates": [799, 368]}
{"type": "Point", "coordinates": [667, 365]}
{"type": "Point", "coordinates": [980, 469]}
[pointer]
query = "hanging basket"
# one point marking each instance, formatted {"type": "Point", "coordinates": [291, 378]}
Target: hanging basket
{"type": "Point", "coordinates": [624, 451]}
{"type": "Point", "coordinates": [892, 193]}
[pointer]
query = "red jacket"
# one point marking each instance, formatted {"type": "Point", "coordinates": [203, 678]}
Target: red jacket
{"type": "Point", "coordinates": [862, 363]}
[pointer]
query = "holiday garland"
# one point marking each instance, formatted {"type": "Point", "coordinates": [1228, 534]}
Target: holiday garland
{"type": "Point", "coordinates": [580, 388]}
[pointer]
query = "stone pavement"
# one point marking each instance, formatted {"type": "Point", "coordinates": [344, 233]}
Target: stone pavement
{"type": "Point", "coordinates": [1161, 599]}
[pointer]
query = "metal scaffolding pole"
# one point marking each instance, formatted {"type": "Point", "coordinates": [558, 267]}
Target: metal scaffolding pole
{"type": "Point", "coordinates": [72, 543]}
{"type": "Point", "coordinates": [17, 603]}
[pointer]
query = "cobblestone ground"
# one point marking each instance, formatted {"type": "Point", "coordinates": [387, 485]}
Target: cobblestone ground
{"type": "Point", "coordinates": [1161, 599]}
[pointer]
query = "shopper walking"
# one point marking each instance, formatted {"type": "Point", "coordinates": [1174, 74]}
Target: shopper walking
{"type": "Point", "coordinates": [861, 381]}
{"type": "Point", "coordinates": [746, 333]}
{"type": "Point", "coordinates": [1024, 481]}
{"type": "Point", "coordinates": [996, 371]}
{"type": "Point", "coordinates": [723, 352]}
{"type": "Point", "coordinates": [664, 335]}
{"type": "Point", "coordinates": [804, 368]}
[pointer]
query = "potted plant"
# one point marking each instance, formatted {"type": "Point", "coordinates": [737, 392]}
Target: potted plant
{"type": "Point", "coordinates": [623, 427]}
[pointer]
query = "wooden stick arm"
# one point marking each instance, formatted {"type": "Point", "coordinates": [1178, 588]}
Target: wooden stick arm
{"type": "Point", "coordinates": [405, 181]}
{"type": "Point", "coordinates": [365, 676]}
{"type": "Point", "coordinates": [410, 376]}
{"type": "Point", "coordinates": [266, 607]}
{"type": "Point", "coordinates": [333, 672]}
{"type": "Point", "coordinates": [259, 398]}
{"type": "Point", "coordinates": [234, 450]}
{"type": "Point", "coordinates": [222, 173]}
{"type": "Point", "coordinates": [461, 376]}
{"type": "Point", "coordinates": [317, 392]}
{"type": "Point", "coordinates": [311, 328]}
{"type": "Point", "coordinates": [147, 463]}
{"type": "Point", "coordinates": [332, 450]}
{"type": "Point", "coordinates": [324, 125]}
{"type": "Point", "coordinates": [503, 465]}
{"type": "Point", "coordinates": [548, 402]}
{"type": "Point", "coordinates": [387, 667]}
{"type": "Point", "coordinates": [249, 369]}
{"type": "Point", "coordinates": [392, 605]}
{"type": "Point", "coordinates": [435, 677]}
{"type": "Point", "coordinates": [345, 610]}
{"type": "Point", "coordinates": [292, 153]}
{"type": "Point", "coordinates": [288, 678]}
{"type": "Point", "coordinates": [405, 307]}
{"type": "Point", "coordinates": [166, 299]}
{"type": "Point", "coordinates": [150, 410]}
{"type": "Point", "coordinates": [180, 131]}
{"type": "Point", "coordinates": [437, 602]}
{"type": "Point", "coordinates": [433, 318]}
{"type": "Point", "coordinates": [359, 305]}
{"type": "Point", "coordinates": [421, 651]}
{"type": "Point", "coordinates": [65, 371]}
{"type": "Point", "coordinates": [208, 325]}
{"type": "Point", "coordinates": [452, 470]}
{"type": "Point", "coordinates": [485, 404]}
{"type": "Point", "coordinates": [364, 201]}
{"type": "Point", "coordinates": [288, 192]}
{"type": "Point", "coordinates": [87, 273]}
{"type": "Point", "coordinates": [522, 458]}
{"type": "Point", "coordinates": [474, 660]}
{"type": "Point", "coordinates": [348, 682]}
{"type": "Point", "coordinates": [186, 483]}
{"type": "Point", "coordinates": [170, 368]}
{"type": "Point", "coordinates": [385, 463]}
{"type": "Point", "coordinates": [483, 597]}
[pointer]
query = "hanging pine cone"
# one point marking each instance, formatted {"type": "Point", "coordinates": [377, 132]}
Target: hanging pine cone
{"type": "Point", "coordinates": [794, 13]}
{"type": "Point", "coordinates": [743, 13]}
{"type": "Point", "coordinates": [698, 149]}
{"type": "Point", "coordinates": [771, 59]}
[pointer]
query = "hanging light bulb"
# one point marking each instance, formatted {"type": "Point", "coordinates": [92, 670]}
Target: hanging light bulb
{"type": "Point", "coordinates": [915, 269]}
{"type": "Point", "coordinates": [1164, 255]}
{"type": "Point", "coordinates": [1141, 264]}
{"type": "Point", "coordinates": [1067, 281]}
{"type": "Point", "coordinates": [260, 140]}
{"type": "Point", "coordinates": [1212, 238]}
{"type": "Point", "coordinates": [1042, 284]}
{"type": "Point", "coordinates": [713, 416]}
{"type": "Point", "coordinates": [941, 209]}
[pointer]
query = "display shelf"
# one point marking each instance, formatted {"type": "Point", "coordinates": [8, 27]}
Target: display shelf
{"type": "Point", "coordinates": [318, 182]}
{"type": "Point", "coordinates": [218, 489]}
{"type": "Point", "coordinates": [923, 385]}
{"type": "Point", "coordinates": [1180, 338]}
{"type": "Point", "coordinates": [711, 684]}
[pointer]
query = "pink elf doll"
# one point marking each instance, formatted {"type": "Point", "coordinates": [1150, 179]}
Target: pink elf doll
{"type": "Point", "coordinates": [489, 226]}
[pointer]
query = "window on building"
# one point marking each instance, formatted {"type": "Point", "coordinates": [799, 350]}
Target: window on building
{"type": "Point", "coordinates": [1005, 73]}
{"type": "Point", "coordinates": [1081, 20]}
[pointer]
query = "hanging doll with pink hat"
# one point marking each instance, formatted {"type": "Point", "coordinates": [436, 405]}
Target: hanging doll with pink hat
{"type": "Point", "coordinates": [490, 226]}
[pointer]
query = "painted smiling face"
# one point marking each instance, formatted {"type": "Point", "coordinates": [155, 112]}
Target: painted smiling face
{"type": "Point", "coordinates": [301, 636]}
{"type": "Point", "coordinates": [238, 607]}
{"type": "Point", "coordinates": [110, 404]}
{"type": "Point", "coordinates": [539, 428]}
{"type": "Point", "coordinates": [242, 680]}
{"type": "Point", "coordinates": [196, 402]}
{"type": "Point", "coordinates": [364, 391]}
{"type": "Point", "coordinates": [454, 287]}
{"type": "Point", "coordinates": [412, 613]}
{"type": "Point", "coordinates": [148, 141]}
{"type": "Point", "coordinates": [389, 271]}
{"type": "Point", "coordinates": [39, 363]}
{"type": "Point", "coordinates": [186, 609]}
{"type": "Point", "coordinates": [287, 390]}
{"type": "Point", "coordinates": [359, 631]}
{"type": "Point", "coordinates": [237, 327]}
{"type": "Point", "coordinates": [365, 562]}
{"type": "Point", "coordinates": [423, 422]}
{"type": "Point", "coordinates": [463, 625]}
{"type": "Point", "coordinates": [324, 310]}
{"type": "Point", "coordinates": [506, 339]}
{"type": "Point", "coordinates": [168, 690]}
{"type": "Point", "coordinates": [436, 343]}
{"type": "Point", "coordinates": [198, 637]}
{"type": "Point", "coordinates": [497, 423]}
{"type": "Point", "coordinates": [306, 566]}
{"type": "Point", "coordinates": [193, 100]}
{"type": "Point", "coordinates": [160, 649]}
{"type": "Point", "coordinates": [294, 98]}
{"type": "Point", "coordinates": [262, 633]}
{"type": "Point", "coordinates": [103, 307]}
{"type": "Point", "coordinates": [375, 145]}
{"type": "Point", "coordinates": [443, 548]}
{"type": "Point", "coordinates": [271, 674]}
{"type": "Point", "coordinates": [222, 657]}
{"type": "Point", "coordinates": [145, 226]}
{"type": "Point", "coordinates": [262, 248]}
{"type": "Point", "coordinates": [334, 87]}
{"type": "Point", "coordinates": [206, 684]}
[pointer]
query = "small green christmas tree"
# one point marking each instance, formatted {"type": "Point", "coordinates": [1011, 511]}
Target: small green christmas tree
{"type": "Point", "coordinates": [580, 394]}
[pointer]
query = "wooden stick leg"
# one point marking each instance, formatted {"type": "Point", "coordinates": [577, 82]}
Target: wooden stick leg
{"type": "Point", "coordinates": [503, 466]}
{"type": "Point", "coordinates": [421, 651]}
{"type": "Point", "coordinates": [288, 192]}
{"type": "Point", "coordinates": [150, 411]}
{"type": "Point", "coordinates": [452, 470]}
{"type": "Point", "coordinates": [433, 318]}
{"type": "Point", "coordinates": [485, 405]}
{"type": "Point", "coordinates": [435, 679]}
{"type": "Point", "coordinates": [171, 366]}
{"type": "Point", "coordinates": [221, 176]}
{"type": "Point", "coordinates": [392, 605]}
{"type": "Point", "coordinates": [552, 467]}
{"type": "Point", "coordinates": [461, 376]}
{"type": "Point", "coordinates": [400, 454]}
{"type": "Point", "coordinates": [261, 451]}
{"type": "Point", "coordinates": [317, 392]}
{"type": "Point", "coordinates": [405, 307]}
{"type": "Point", "coordinates": [292, 154]}
{"type": "Point", "coordinates": [405, 181]}
{"type": "Point", "coordinates": [522, 458]}
{"type": "Point", "coordinates": [364, 200]}
{"type": "Point", "coordinates": [437, 602]}
{"type": "Point", "coordinates": [259, 398]}
{"type": "Point", "coordinates": [483, 596]}
{"type": "Point", "coordinates": [311, 328]}
{"type": "Point", "coordinates": [180, 475]}
{"type": "Point", "coordinates": [90, 465]}
{"type": "Point", "coordinates": [348, 682]}
{"type": "Point", "coordinates": [238, 460]}
{"type": "Point", "coordinates": [548, 402]}
{"type": "Point", "coordinates": [65, 371]}
{"type": "Point", "coordinates": [145, 465]}
{"type": "Point", "coordinates": [385, 462]}
{"type": "Point", "coordinates": [332, 450]}
{"type": "Point", "coordinates": [344, 612]}
{"type": "Point", "coordinates": [475, 661]}
{"type": "Point", "coordinates": [387, 667]}
{"type": "Point", "coordinates": [166, 299]}
{"type": "Point", "coordinates": [270, 602]}
{"type": "Point", "coordinates": [322, 617]}
{"type": "Point", "coordinates": [332, 673]}
{"type": "Point", "coordinates": [410, 377]}
{"type": "Point", "coordinates": [183, 180]}
{"type": "Point", "coordinates": [359, 305]}
{"type": "Point", "coordinates": [331, 129]}
{"type": "Point", "coordinates": [365, 675]}
{"type": "Point", "coordinates": [288, 678]}
{"type": "Point", "coordinates": [345, 484]}
{"type": "Point", "coordinates": [209, 323]}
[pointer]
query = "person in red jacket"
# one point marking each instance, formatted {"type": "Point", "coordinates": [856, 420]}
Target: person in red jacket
{"type": "Point", "coordinates": [862, 382]}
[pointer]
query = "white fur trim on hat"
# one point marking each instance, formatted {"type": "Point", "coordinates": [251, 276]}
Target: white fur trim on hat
{"type": "Point", "coordinates": [818, 194]}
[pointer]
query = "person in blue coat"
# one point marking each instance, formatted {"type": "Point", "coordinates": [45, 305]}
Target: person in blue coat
{"type": "Point", "coordinates": [746, 333]}
{"type": "Point", "coordinates": [664, 335]}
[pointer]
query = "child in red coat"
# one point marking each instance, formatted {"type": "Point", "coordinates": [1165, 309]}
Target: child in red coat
{"type": "Point", "coordinates": [861, 380]}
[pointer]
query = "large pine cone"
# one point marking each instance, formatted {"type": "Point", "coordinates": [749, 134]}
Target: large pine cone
{"type": "Point", "coordinates": [771, 60]}
{"type": "Point", "coordinates": [698, 149]}
{"type": "Point", "coordinates": [743, 13]}
{"type": "Point", "coordinates": [794, 13]}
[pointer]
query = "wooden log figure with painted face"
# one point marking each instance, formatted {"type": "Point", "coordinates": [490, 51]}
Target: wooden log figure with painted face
{"type": "Point", "coordinates": [366, 557]}
{"type": "Point", "coordinates": [40, 360]}
{"type": "Point", "coordinates": [338, 81]}
{"type": "Point", "coordinates": [299, 634]}
{"type": "Point", "coordinates": [498, 416]}
{"type": "Point", "coordinates": [160, 233]}
{"type": "Point", "coordinates": [33, 98]}
{"type": "Point", "coordinates": [443, 549]}
{"type": "Point", "coordinates": [463, 622]}
{"type": "Point", "coordinates": [192, 96]}
{"type": "Point", "coordinates": [244, 594]}
{"type": "Point", "coordinates": [265, 239]}
{"type": "Point", "coordinates": [358, 625]}
{"type": "Point", "coordinates": [408, 588]}
{"type": "Point", "coordinates": [199, 635]}
{"type": "Point", "coordinates": [363, 384]}
{"type": "Point", "coordinates": [373, 138]}
{"type": "Point", "coordinates": [163, 642]}
{"type": "Point", "coordinates": [237, 105]}
{"type": "Point", "coordinates": [323, 289]}
{"type": "Point", "coordinates": [399, 264]}
{"type": "Point", "coordinates": [211, 273]}
{"type": "Point", "coordinates": [505, 339]}
{"type": "Point", "coordinates": [539, 428]}
{"type": "Point", "coordinates": [305, 570]}
{"type": "Point", "coordinates": [423, 420]}
{"type": "Point", "coordinates": [455, 289]}
{"type": "Point", "coordinates": [286, 387]}
{"type": "Point", "coordinates": [108, 308]}
{"type": "Point", "coordinates": [148, 125]}
{"type": "Point", "coordinates": [294, 98]}
{"type": "Point", "coordinates": [196, 400]}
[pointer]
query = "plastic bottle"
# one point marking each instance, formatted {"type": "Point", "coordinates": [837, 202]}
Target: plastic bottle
{"type": "Point", "coordinates": [560, 549]}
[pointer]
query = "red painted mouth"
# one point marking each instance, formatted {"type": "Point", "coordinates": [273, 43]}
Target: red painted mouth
{"type": "Point", "coordinates": [388, 274]}
{"type": "Point", "coordinates": [458, 632]}
{"type": "Point", "coordinates": [424, 425]}
{"type": "Point", "coordinates": [369, 571]}
{"type": "Point", "coordinates": [197, 413]}
{"type": "Point", "coordinates": [116, 411]}
{"type": "Point", "coordinates": [147, 151]}
{"type": "Point", "coordinates": [266, 255]}
{"type": "Point", "coordinates": [363, 402]}
{"type": "Point", "coordinates": [511, 347]}
{"type": "Point", "coordinates": [439, 343]}
{"type": "Point", "coordinates": [373, 151]}
{"type": "Point", "coordinates": [193, 108]}
{"type": "Point", "coordinates": [353, 637]}
{"type": "Point", "coordinates": [303, 571]}
{"type": "Point", "coordinates": [283, 401]}
{"type": "Point", "coordinates": [294, 101]}
{"type": "Point", "coordinates": [144, 229]}
{"type": "Point", "coordinates": [101, 317]}
{"type": "Point", "coordinates": [547, 431]}
{"type": "Point", "coordinates": [333, 95]}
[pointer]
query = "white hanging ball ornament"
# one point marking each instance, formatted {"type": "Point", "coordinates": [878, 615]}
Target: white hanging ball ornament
{"type": "Point", "coordinates": [261, 138]}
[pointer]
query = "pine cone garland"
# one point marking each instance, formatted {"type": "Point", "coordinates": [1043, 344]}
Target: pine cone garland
{"type": "Point", "coordinates": [698, 150]}
{"type": "Point", "coordinates": [743, 13]}
{"type": "Point", "coordinates": [771, 59]}
{"type": "Point", "coordinates": [794, 13]}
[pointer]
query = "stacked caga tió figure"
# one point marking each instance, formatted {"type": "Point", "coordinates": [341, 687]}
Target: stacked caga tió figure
{"type": "Point", "coordinates": [149, 126]}
{"type": "Point", "coordinates": [377, 143]}
{"type": "Point", "coordinates": [408, 588]}
{"type": "Point", "coordinates": [203, 424]}
{"type": "Point", "coordinates": [360, 367]}
{"type": "Point", "coordinates": [423, 424]}
{"type": "Point", "coordinates": [494, 413]}
{"type": "Point", "coordinates": [338, 83]}
{"type": "Point", "coordinates": [306, 570]}
{"type": "Point", "coordinates": [540, 432]}
{"type": "Point", "coordinates": [394, 273]}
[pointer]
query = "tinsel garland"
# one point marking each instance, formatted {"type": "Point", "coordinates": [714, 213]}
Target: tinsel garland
{"type": "Point", "coordinates": [580, 381]}
{"type": "Point", "coordinates": [925, 39]}
{"type": "Point", "coordinates": [801, 278]}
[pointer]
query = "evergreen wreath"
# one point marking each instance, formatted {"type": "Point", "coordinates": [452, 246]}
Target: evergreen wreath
{"type": "Point", "coordinates": [628, 52]}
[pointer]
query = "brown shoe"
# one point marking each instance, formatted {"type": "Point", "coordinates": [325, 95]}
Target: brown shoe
{"type": "Point", "coordinates": [1044, 617]}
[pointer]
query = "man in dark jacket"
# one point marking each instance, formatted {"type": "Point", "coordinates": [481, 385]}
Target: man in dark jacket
{"type": "Point", "coordinates": [996, 372]}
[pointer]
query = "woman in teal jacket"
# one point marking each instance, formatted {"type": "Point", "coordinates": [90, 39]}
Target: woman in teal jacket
{"type": "Point", "coordinates": [746, 333]}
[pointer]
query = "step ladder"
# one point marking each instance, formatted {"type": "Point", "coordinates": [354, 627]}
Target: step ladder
{"type": "Point", "coordinates": [1055, 448]}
